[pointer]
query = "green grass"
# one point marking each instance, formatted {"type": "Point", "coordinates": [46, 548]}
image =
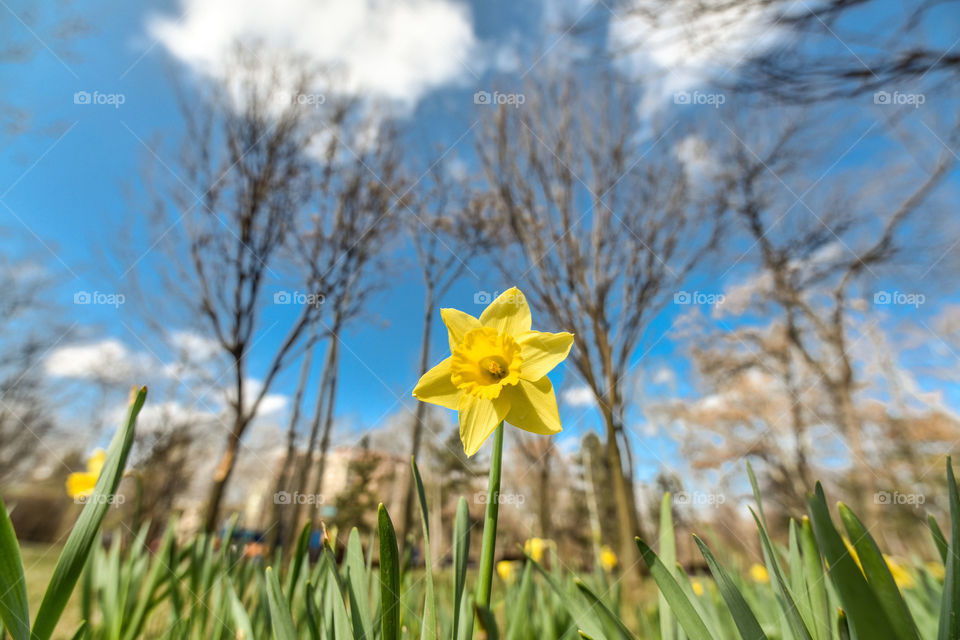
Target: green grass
{"type": "Point", "coordinates": [39, 561]}
{"type": "Point", "coordinates": [828, 581]}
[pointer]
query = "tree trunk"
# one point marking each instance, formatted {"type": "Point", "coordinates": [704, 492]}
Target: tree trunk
{"type": "Point", "coordinates": [327, 428]}
{"type": "Point", "coordinates": [289, 459]}
{"type": "Point", "coordinates": [419, 418]}
{"type": "Point", "coordinates": [305, 462]}
{"type": "Point", "coordinates": [221, 477]}
{"type": "Point", "coordinates": [627, 522]}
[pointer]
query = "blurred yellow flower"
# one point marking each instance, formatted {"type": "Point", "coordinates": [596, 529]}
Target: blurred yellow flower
{"type": "Point", "coordinates": [901, 576]}
{"type": "Point", "coordinates": [534, 547]}
{"type": "Point", "coordinates": [497, 371]}
{"type": "Point", "coordinates": [758, 573]}
{"type": "Point", "coordinates": [936, 570]}
{"type": "Point", "coordinates": [80, 484]}
{"type": "Point", "coordinates": [608, 559]}
{"type": "Point", "coordinates": [697, 587]}
{"type": "Point", "coordinates": [506, 569]}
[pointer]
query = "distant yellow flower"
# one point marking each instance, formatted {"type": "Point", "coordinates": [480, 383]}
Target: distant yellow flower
{"type": "Point", "coordinates": [697, 587]}
{"type": "Point", "coordinates": [497, 371]}
{"type": "Point", "coordinates": [608, 559]}
{"type": "Point", "coordinates": [936, 570]}
{"type": "Point", "coordinates": [534, 547]}
{"type": "Point", "coordinates": [506, 569]}
{"type": "Point", "coordinates": [901, 576]}
{"type": "Point", "coordinates": [81, 483]}
{"type": "Point", "coordinates": [758, 573]}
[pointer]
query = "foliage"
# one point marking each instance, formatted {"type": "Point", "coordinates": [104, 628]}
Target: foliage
{"type": "Point", "coordinates": [828, 582]}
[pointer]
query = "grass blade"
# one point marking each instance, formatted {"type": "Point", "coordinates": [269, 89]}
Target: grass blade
{"type": "Point", "coordinates": [857, 598]}
{"type": "Point", "coordinates": [461, 553]}
{"type": "Point", "coordinates": [878, 574]}
{"type": "Point", "coordinates": [742, 614]}
{"type": "Point", "coordinates": [389, 577]}
{"type": "Point", "coordinates": [939, 540]}
{"type": "Point", "coordinates": [84, 532]}
{"type": "Point", "coordinates": [668, 554]}
{"type": "Point", "coordinates": [429, 629]}
{"type": "Point", "coordinates": [596, 603]}
{"type": "Point", "coordinates": [358, 585]}
{"type": "Point", "coordinates": [14, 609]}
{"type": "Point", "coordinates": [280, 617]}
{"type": "Point", "coordinates": [787, 603]}
{"type": "Point", "coordinates": [582, 615]}
{"type": "Point", "coordinates": [686, 615]}
{"type": "Point", "coordinates": [240, 617]}
{"type": "Point", "coordinates": [950, 604]}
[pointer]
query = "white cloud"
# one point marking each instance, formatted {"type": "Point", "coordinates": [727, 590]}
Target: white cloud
{"type": "Point", "coordinates": [580, 396]}
{"type": "Point", "coordinates": [665, 375]}
{"type": "Point", "coordinates": [196, 346]}
{"type": "Point", "coordinates": [395, 50]}
{"type": "Point", "coordinates": [108, 361]}
{"type": "Point", "coordinates": [685, 48]}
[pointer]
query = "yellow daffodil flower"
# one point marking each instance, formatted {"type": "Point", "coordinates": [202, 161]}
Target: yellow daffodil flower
{"type": "Point", "coordinates": [81, 483]}
{"type": "Point", "coordinates": [608, 559]}
{"type": "Point", "coordinates": [936, 570]}
{"type": "Point", "coordinates": [534, 547]}
{"type": "Point", "coordinates": [697, 587]}
{"type": "Point", "coordinates": [506, 570]}
{"type": "Point", "coordinates": [901, 576]}
{"type": "Point", "coordinates": [497, 371]}
{"type": "Point", "coordinates": [758, 573]}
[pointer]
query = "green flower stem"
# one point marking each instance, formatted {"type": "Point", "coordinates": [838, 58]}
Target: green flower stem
{"type": "Point", "coordinates": [485, 582]}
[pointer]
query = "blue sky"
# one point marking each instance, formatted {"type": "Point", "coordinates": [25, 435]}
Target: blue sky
{"type": "Point", "coordinates": [70, 185]}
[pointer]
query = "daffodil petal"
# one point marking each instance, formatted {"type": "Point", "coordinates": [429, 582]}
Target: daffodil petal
{"type": "Point", "coordinates": [81, 484]}
{"type": "Point", "coordinates": [509, 313]}
{"type": "Point", "coordinates": [458, 323]}
{"type": "Point", "coordinates": [542, 351]}
{"type": "Point", "coordinates": [478, 419]}
{"type": "Point", "coordinates": [436, 387]}
{"type": "Point", "coordinates": [533, 407]}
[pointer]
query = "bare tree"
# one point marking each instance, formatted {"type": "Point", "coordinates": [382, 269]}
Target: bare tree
{"type": "Point", "coordinates": [244, 174]}
{"type": "Point", "coordinates": [810, 51]}
{"type": "Point", "coordinates": [815, 268]}
{"type": "Point", "coordinates": [600, 225]}
{"type": "Point", "coordinates": [359, 200]}
{"type": "Point", "coordinates": [25, 337]}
